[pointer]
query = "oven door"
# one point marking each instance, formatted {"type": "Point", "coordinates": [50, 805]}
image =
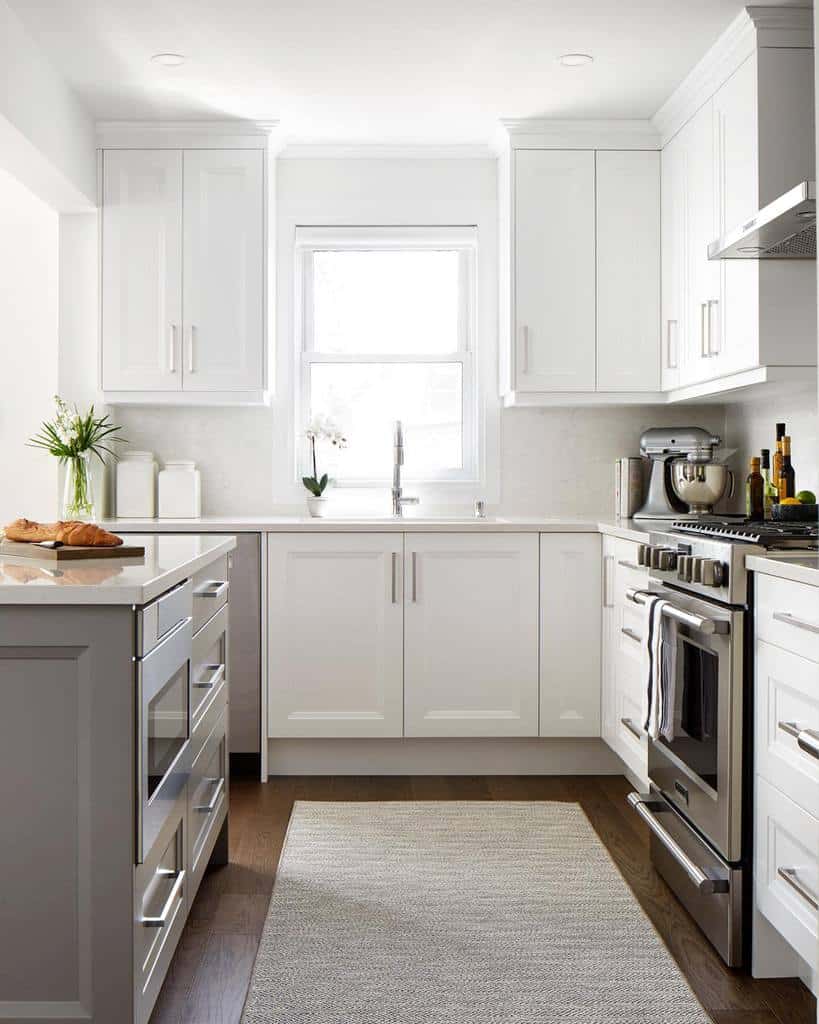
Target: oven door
{"type": "Point", "coordinates": [699, 770]}
{"type": "Point", "coordinates": [163, 733]}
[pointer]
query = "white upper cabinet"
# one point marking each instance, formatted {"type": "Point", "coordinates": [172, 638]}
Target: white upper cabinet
{"type": "Point", "coordinates": [142, 270]}
{"type": "Point", "coordinates": [471, 635]}
{"type": "Point", "coordinates": [183, 275]}
{"type": "Point", "coordinates": [554, 270]}
{"type": "Point", "coordinates": [725, 155]}
{"type": "Point", "coordinates": [628, 270]}
{"type": "Point", "coordinates": [580, 265]}
{"type": "Point", "coordinates": [223, 269]}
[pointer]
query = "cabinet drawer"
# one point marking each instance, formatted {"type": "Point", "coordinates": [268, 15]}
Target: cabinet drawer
{"type": "Point", "coordinates": [158, 618]}
{"type": "Point", "coordinates": [627, 573]}
{"type": "Point", "coordinates": [630, 741]}
{"type": "Point", "coordinates": [208, 663]}
{"type": "Point", "coordinates": [207, 800]}
{"type": "Point", "coordinates": [161, 900]}
{"type": "Point", "coordinates": [210, 591]}
{"type": "Point", "coordinates": [787, 704]}
{"type": "Point", "coordinates": [786, 868]}
{"type": "Point", "coordinates": [787, 614]}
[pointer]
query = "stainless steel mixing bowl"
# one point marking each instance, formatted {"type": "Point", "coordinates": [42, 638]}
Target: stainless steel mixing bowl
{"type": "Point", "coordinates": [701, 485]}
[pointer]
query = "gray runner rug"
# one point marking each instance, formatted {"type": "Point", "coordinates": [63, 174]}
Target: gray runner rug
{"type": "Point", "coordinates": [457, 913]}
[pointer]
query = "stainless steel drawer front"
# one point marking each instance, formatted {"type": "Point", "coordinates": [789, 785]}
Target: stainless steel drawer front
{"type": "Point", "coordinates": [159, 618]}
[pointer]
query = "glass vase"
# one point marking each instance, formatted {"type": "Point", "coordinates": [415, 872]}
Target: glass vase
{"type": "Point", "coordinates": [78, 493]}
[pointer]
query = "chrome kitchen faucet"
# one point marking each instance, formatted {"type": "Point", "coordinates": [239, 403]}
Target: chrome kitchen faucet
{"type": "Point", "coordinates": [398, 500]}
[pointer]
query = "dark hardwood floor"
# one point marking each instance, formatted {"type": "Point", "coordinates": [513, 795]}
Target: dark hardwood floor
{"type": "Point", "coordinates": [209, 975]}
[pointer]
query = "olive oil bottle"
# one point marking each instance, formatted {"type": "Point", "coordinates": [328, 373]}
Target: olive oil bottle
{"type": "Point", "coordinates": [754, 493]}
{"type": "Point", "coordinates": [777, 459]}
{"type": "Point", "coordinates": [770, 492]}
{"type": "Point", "coordinates": [787, 474]}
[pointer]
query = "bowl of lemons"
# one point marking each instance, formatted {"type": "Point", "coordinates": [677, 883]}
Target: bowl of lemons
{"type": "Point", "coordinates": [800, 509]}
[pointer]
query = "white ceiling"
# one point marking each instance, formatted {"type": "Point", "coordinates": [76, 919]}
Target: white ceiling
{"type": "Point", "coordinates": [375, 70]}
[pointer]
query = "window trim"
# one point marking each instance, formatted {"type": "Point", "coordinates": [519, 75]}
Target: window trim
{"type": "Point", "coordinates": [462, 238]}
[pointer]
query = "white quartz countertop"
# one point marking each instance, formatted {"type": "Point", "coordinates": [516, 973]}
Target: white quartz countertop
{"type": "Point", "coordinates": [167, 561]}
{"type": "Point", "coordinates": [627, 528]}
{"type": "Point", "coordinates": [801, 568]}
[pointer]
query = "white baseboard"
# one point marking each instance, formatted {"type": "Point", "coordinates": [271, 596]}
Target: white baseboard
{"type": "Point", "coordinates": [442, 757]}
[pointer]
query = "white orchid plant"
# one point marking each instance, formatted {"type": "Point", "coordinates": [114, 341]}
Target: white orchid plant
{"type": "Point", "coordinates": [321, 428]}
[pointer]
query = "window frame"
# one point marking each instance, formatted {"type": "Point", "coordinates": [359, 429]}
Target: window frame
{"type": "Point", "coordinates": [460, 238]}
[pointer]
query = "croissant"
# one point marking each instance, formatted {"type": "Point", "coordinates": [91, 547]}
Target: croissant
{"type": "Point", "coordinates": [74, 534]}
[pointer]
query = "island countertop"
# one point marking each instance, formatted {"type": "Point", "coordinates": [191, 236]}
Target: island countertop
{"type": "Point", "coordinates": [168, 559]}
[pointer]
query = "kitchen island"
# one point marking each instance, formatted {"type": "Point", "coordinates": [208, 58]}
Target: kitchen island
{"type": "Point", "coordinates": [113, 760]}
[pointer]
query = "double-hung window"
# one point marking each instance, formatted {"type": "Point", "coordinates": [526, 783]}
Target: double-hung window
{"type": "Point", "coordinates": [386, 331]}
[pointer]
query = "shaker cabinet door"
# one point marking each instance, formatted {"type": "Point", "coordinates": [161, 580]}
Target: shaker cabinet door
{"type": "Point", "coordinates": [471, 635]}
{"type": "Point", "coordinates": [224, 270]}
{"type": "Point", "coordinates": [335, 627]}
{"type": "Point", "coordinates": [142, 270]}
{"type": "Point", "coordinates": [554, 276]}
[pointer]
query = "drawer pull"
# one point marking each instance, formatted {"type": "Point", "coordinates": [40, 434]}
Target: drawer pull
{"type": "Point", "coordinates": [629, 565]}
{"type": "Point", "coordinates": [631, 635]}
{"type": "Point", "coordinates": [808, 741]}
{"type": "Point", "coordinates": [217, 674]}
{"type": "Point", "coordinates": [790, 876]}
{"type": "Point", "coordinates": [792, 620]}
{"type": "Point", "coordinates": [212, 589]}
{"type": "Point", "coordinates": [210, 806]}
{"type": "Point", "coordinates": [632, 728]}
{"type": "Point", "coordinates": [173, 896]}
{"type": "Point", "coordinates": [791, 728]}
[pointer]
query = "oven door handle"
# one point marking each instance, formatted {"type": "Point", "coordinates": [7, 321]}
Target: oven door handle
{"type": "Point", "coordinates": [645, 804]}
{"type": "Point", "coordinates": [697, 622]}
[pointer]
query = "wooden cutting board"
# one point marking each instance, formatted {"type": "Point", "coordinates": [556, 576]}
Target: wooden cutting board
{"type": "Point", "coordinates": [68, 554]}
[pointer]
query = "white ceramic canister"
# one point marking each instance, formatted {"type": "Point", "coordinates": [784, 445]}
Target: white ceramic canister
{"type": "Point", "coordinates": [180, 490]}
{"type": "Point", "coordinates": [136, 486]}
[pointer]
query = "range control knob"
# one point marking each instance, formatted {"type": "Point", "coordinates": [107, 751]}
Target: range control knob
{"type": "Point", "coordinates": [696, 569]}
{"type": "Point", "coordinates": [684, 568]}
{"type": "Point", "coordinates": [712, 572]}
{"type": "Point", "coordinates": [643, 554]}
{"type": "Point", "coordinates": [656, 556]}
{"type": "Point", "coordinates": [668, 560]}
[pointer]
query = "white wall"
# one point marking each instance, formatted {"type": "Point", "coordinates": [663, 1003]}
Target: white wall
{"type": "Point", "coordinates": [46, 135]}
{"type": "Point", "coordinates": [28, 350]}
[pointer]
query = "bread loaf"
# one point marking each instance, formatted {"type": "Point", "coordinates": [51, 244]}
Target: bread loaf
{"type": "Point", "coordinates": [73, 534]}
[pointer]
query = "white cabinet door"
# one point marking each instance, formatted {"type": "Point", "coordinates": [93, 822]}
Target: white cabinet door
{"type": "Point", "coordinates": [628, 270]}
{"type": "Point", "coordinates": [607, 646]}
{"type": "Point", "coordinates": [141, 270]}
{"type": "Point", "coordinates": [703, 294]}
{"type": "Point", "coordinates": [554, 276]}
{"type": "Point", "coordinates": [335, 634]}
{"type": "Point", "coordinates": [674, 247]}
{"type": "Point", "coordinates": [224, 270]}
{"type": "Point", "coordinates": [471, 635]}
{"type": "Point", "coordinates": [736, 150]}
{"type": "Point", "coordinates": [570, 634]}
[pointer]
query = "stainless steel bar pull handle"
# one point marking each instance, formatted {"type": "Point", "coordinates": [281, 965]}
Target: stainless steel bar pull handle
{"type": "Point", "coordinates": [191, 340]}
{"type": "Point", "coordinates": [632, 728]}
{"type": "Point", "coordinates": [210, 806]}
{"type": "Point", "coordinates": [524, 341]}
{"type": "Point", "coordinates": [217, 674]}
{"type": "Point", "coordinates": [791, 728]}
{"type": "Point", "coordinates": [790, 876]}
{"type": "Point", "coordinates": [172, 349]}
{"type": "Point", "coordinates": [628, 565]}
{"type": "Point", "coordinates": [415, 576]}
{"type": "Point", "coordinates": [697, 622]}
{"type": "Point", "coordinates": [173, 896]}
{"type": "Point", "coordinates": [644, 804]}
{"type": "Point", "coordinates": [394, 577]}
{"type": "Point", "coordinates": [792, 620]}
{"type": "Point", "coordinates": [808, 741]}
{"type": "Point", "coordinates": [671, 331]}
{"type": "Point", "coordinates": [631, 634]}
{"type": "Point", "coordinates": [212, 589]}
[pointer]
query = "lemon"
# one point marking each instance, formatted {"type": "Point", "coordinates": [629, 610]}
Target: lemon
{"type": "Point", "coordinates": [806, 497]}
{"type": "Point", "coordinates": [790, 501]}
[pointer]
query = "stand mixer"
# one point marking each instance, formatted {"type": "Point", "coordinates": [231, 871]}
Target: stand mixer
{"type": "Point", "coordinates": [685, 480]}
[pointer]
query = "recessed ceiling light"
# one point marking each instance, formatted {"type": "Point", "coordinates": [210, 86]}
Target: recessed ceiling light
{"type": "Point", "coordinates": [575, 60]}
{"type": "Point", "coordinates": [168, 60]}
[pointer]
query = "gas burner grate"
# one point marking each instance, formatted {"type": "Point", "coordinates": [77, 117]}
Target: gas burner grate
{"type": "Point", "coordinates": [766, 534]}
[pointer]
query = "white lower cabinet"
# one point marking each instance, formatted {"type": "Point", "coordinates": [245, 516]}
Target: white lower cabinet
{"type": "Point", "coordinates": [335, 635]}
{"type": "Point", "coordinates": [570, 630]}
{"type": "Point", "coordinates": [471, 635]}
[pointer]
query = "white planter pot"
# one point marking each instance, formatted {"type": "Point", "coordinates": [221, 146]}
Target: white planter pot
{"type": "Point", "coordinates": [317, 507]}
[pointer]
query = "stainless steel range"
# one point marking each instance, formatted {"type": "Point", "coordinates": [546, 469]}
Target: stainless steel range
{"type": "Point", "coordinates": [700, 804]}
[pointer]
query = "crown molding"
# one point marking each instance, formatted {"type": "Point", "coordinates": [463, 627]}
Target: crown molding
{"type": "Point", "coordinates": [546, 133]}
{"type": "Point", "coordinates": [752, 29]}
{"type": "Point", "coordinates": [384, 151]}
{"type": "Point", "coordinates": [236, 133]}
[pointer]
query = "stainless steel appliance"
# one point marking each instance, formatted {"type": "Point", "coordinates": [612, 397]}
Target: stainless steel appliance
{"type": "Point", "coordinates": [164, 701]}
{"type": "Point", "coordinates": [700, 803]}
{"type": "Point", "coordinates": [701, 485]}
{"type": "Point", "coordinates": [662, 445]}
{"type": "Point", "coordinates": [784, 229]}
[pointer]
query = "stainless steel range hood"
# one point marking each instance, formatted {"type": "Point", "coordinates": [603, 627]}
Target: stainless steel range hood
{"type": "Point", "coordinates": [783, 230]}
